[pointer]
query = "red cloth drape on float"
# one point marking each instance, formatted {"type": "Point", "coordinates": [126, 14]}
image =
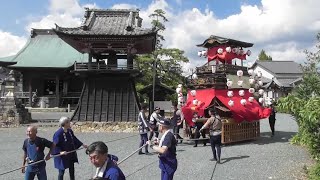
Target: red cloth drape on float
{"type": "Point", "coordinates": [224, 57]}
{"type": "Point", "coordinates": [252, 111]}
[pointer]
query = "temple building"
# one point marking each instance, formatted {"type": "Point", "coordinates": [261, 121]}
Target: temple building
{"type": "Point", "coordinates": [91, 66]}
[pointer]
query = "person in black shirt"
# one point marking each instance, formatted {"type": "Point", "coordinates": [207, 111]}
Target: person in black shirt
{"type": "Point", "coordinates": [33, 148]}
{"type": "Point", "coordinates": [272, 118]}
{"type": "Point", "coordinates": [167, 151]}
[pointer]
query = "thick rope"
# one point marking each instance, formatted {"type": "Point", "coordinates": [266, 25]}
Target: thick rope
{"type": "Point", "coordinates": [132, 154]}
{"type": "Point", "coordinates": [57, 155]}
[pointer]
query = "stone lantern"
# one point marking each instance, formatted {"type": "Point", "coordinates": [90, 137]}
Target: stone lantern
{"type": "Point", "coordinates": [12, 111]}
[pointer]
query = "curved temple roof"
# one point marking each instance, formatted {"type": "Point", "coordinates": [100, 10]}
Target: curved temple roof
{"type": "Point", "coordinates": [217, 40]}
{"type": "Point", "coordinates": [119, 22]}
{"type": "Point", "coordinates": [45, 50]}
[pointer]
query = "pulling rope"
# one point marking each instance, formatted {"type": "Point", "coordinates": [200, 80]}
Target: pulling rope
{"type": "Point", "coordinates": [132, 154]}
{"type": "Point", "coordinates": [57, 155]}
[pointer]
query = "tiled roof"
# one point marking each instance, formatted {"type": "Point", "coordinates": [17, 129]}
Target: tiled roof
{"type": "Point", "coordinates": [46, 50]}
{"type": "Point", "coordinates": [109, 22]}
{"type": "Point", "coordinates": [280, 67]}
{"type": "Point", "coordinates": [217, 40]}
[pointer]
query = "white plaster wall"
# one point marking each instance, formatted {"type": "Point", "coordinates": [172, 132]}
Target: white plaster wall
{"type": "Point", "coordinates": [265, 73]}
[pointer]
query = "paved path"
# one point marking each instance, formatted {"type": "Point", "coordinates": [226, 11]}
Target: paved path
{"type": "Point", "coordinates": [265, 158]}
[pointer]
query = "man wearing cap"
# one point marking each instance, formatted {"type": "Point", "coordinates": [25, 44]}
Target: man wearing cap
{"type": "Point", "coordinates": [167, 151]}
{"type": "Point", "coordinates": [154, 118]}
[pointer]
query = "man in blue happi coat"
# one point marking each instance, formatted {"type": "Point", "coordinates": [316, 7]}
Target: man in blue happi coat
{"type": "Point", "coordinates": [105, 163]}
{"type": "Point", "coordinates": [65, 141]}
{"type": "Point", "coordinates": [167, 151]}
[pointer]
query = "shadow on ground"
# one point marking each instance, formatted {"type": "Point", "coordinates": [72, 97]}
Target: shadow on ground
{"type": "Point", "coordinates": [265, 138]}
{"type": "Point", "coordinates": [225, 160]}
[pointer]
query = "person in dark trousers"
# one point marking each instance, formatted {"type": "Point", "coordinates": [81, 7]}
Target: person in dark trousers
{"type": "Point", "coordinates": [272, 119]}
{"type": "Point", "coordinates": [177, 122]}
{"type": "Point", "coordinates": [197, 132]}
{"type": "Point", "coordinates": [105, 163]}
{"type": "Point", "coordinates": [143, 128]}
{"type": "Point", "coordinates": [65, 141]}
{"type": "Point", "coordinates": [33, 148]}
{"type": "Point", "coordinates": [167, 151]}
{"type": "Point", "coordinates": [154, 118]}
{"type": "Point", "coordinates": [214, 124]}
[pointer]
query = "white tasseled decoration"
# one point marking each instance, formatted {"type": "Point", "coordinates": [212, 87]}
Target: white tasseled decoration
{"type": "Point", "coordinates": [231, 103]}
{"type": "Point", "coordinates": [193, 93]}
{"type": "Point", "coordinates": [230, 93]}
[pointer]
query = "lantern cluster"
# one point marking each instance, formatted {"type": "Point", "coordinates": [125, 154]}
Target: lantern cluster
{"type": "Point", "coordinates": [255, 87]}
{"type": "Point", "coordinates": [256, 84]}
{"type": "Point", "coordinates": [180, 95]}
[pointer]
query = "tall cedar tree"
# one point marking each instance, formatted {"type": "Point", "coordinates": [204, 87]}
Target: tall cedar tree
{"type": "Point", "coordinates": [264, 57]}
{"type": "Point", "coordinates": [168, 60]}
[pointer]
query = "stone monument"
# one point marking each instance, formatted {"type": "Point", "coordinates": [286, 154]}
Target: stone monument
{"type": "Point", "coordinates": [11, 110]}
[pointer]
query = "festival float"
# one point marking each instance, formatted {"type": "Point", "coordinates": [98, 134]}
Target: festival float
{"type": "Point", "coordinates": [223, 83]}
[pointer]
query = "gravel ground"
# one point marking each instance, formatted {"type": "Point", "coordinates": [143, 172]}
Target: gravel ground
{"type": "Point", "coordinates": [264, 158]}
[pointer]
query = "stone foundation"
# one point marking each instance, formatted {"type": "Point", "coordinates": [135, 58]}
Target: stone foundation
{"type": "Point", "coordinates": [126, 127]}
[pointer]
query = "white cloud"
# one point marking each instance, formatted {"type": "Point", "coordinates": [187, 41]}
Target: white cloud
{"type": "Point", "coordinates": [65, 13]}
{"type": "Point", "coordinates": [274, 22]}
{"type": "Point", "coordinates": [11, 43]}
{"type": "Point", "coordinates": [124, 6]}
{"type": "Point", "coordinates": [63, 20]}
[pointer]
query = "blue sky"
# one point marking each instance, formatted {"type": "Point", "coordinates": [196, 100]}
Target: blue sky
{"type": "Point", "coordinates": [283, 28]}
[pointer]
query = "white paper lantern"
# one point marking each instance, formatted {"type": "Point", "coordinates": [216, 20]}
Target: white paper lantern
{"type": "Point", "coordinates": [193, 93]}
{"type": "Point", "coordinates": [261, 100]}
{"type": "Point", "coordinates": [231, 103]}
{"type": "Point", "coordinates": [259, 74]}
{"type": "Point", "coordinates": [250, 99]}
{"type": "Point", "coordinates": [230, 93]}
{"type": "Point", "coordinates": [240, 82]}
{"type": "Point", "coordinates": [194, 76]}
{"type": "Point", "coordinates": [204, 53]}
{"type": "Point", "coordinates": [241, 93]}
{"type": "Point", "coordinates": [251, 90]}
{"type": "Point", "coordinates": [199, 53]}
{"type": "Point", "coordinates": [220, 51]}
{"type": "Point", "coordinates": [243, 101]}
{"type": "Point", "coordinates": [195, 102]}
{"type": "Point", "coordinates": [248, 53]}
{"type": "Point", "coordinates": [261, 91]}
{"type": "Point", "coordinates": [180, 99]}
{"type": "Point", "coordinates": [250, 72]}
{"type": "Point", "coordinates": [178, 90]}
{"type": "Point", "coordinates": [180, 86]}
{"type": "Point", "coordinates": [228, 49]}
{"type": "Point", "coordinates": [239, 73]}
{"type": "Point", "coordinates": [229, 83]}
{"type": "Point", "coordinates": [260, 83]}
{"type": "Point", "coordinates": [251, 81]}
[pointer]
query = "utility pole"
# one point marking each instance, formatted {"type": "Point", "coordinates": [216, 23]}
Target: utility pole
{"type": "Point", "coordinates": [154, 73]}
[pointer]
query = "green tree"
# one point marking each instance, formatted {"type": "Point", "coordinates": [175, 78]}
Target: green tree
{"type": "Point", "coordinates": [264, 57]}
{"type": "Point", "coordinates": [304, 104]}
{"type": "Point", "coordinates": [167, 60]}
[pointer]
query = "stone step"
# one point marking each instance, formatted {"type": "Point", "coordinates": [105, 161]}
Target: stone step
{"type": "Point", "coordinates": [47, 109]}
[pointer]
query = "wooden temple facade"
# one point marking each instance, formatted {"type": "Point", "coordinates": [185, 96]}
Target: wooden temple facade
{"type": "Point", "coordinates": [91, 66]}
{"type": "Point", "coordinates": [108, 36]}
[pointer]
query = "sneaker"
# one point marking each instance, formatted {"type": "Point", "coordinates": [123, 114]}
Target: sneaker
{"type": "Point", "coordinates": [213, 159]}
{"type": "Point", "coordinates": [140, 152]}
{"type": "Point", "coordinates": [218, 161]}
{"type": "Point", "coordinates": [195, 145]}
